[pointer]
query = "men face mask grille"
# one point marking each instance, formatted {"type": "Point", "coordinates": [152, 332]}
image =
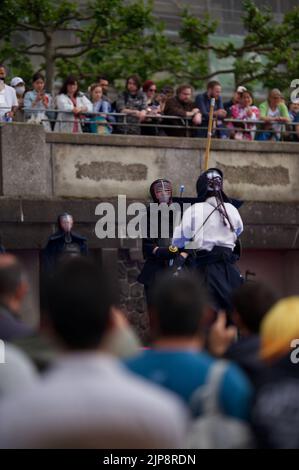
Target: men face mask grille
{"type": "Point", "coordinates": [163, 191]}
{"type": "Point", "coordinates": [215, 182]}
{"type": "Point", "coordinates": [66, 223]}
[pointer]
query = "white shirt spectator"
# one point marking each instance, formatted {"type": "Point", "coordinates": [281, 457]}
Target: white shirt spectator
{"type": "Point", "coordinates": [8, 99]}
{"type": "Point", "coordinates": [193, 233]}
{"type": "Point", "coordinates": [89, 400]}
{"type": "Point", "coordinates": [65, 105]}
{"type": "Point", "coordinates": [16, 373]}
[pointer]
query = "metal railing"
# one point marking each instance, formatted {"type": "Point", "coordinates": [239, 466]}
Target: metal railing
{"type": "Point", "coordinates": [124, 121]}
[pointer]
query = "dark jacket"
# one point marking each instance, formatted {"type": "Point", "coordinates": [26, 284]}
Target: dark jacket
{"type": "Point", "coordinates": [203, 102]}
{"type": "Point", "coordinates": [275, 414]}
{"type": "Point", "coordinates": [56, 246]}
{"type": "Point", "coordinates": [155, 263]}
{"type": "Point", "coordinates": [175, 107]}
{"type": "Point", "coordinates": [11, 327]}
{"type": "Point", "coordinates": [245, 353]}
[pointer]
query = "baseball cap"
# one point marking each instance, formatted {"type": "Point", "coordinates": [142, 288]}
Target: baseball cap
{"type": "Point", "coordinates": [241, 89]}
{"type": "Point", "coordinates": [16, 81]}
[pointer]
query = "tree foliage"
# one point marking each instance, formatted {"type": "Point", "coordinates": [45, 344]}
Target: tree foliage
{"type": "Point", "coordinates": [117, 38]}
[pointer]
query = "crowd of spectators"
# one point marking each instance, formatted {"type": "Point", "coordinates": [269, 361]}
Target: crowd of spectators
{"type": "Point", "coordinates": [143, 109]}
{"type": "Point", "coordinates": [83, 380]}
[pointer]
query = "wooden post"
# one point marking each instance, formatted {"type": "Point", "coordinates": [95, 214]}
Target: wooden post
{"type": "Point", "coordinates": [209, 137]}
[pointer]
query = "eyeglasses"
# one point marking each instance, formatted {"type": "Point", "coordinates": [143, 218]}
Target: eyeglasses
{"type": "Point", "coordinates": [152, 89]}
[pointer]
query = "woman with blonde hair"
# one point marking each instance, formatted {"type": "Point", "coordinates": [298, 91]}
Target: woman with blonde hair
{"type": "Point", "coordinates": [275, 415]}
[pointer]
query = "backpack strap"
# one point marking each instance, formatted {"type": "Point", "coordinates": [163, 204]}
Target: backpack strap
{"type": "Point", "coordinates": [206, 397]}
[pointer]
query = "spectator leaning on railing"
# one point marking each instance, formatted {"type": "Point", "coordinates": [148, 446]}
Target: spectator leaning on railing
{"type": "Point", "coordinates": [71, 104]}
{"type": "Point", "coordinates": [165, 94]}
{"type": "Point", "coordinates": [203, 102]}
{"type": "Point", "coordinates": [274, 113]}
{"type": "Point", "coordinates": [235, 99]}
{"type": "Point", "coordinates": [245, 111]}
{"type": "Point", "coordinates": [98, 124]}
{"type": "Point", "coordinates": [183, 106]}
{"type": "Point", "coordinates": [132, 102]}
{"type": "Point", "coordinates": [8, 97]}
{"type": "Point", "coordinates": [294, 117]}
{"type": "Point", "coordinates": [37, 102]}
{"type": "Point", "coordinates": [19, 85]}
{"type": "Point", "coordinates": [152, 109]}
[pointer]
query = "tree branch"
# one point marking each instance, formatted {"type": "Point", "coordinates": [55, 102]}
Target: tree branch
{"type": "Point", "coordinates": [33, 45]}
{"type": "Point", "coordinates": [218, 72]}
{"type": "Point", "coordinates": [28, 27]}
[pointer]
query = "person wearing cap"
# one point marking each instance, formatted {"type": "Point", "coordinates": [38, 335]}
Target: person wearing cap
{"type": "Point", "coordinates": [244, 111]}
{"type": "Point", "coordinates": [8, 97]}
{"type": "Point", "coordinates": [235, 99]}
{"type": "Point", "coordinates": [203, 102]}
{"type": "Point", "coordinates": [19, 85]}
{"type": "Point", "coordinates": [207, 237]}
{"type": "Point", "coordinates": [275, 115]}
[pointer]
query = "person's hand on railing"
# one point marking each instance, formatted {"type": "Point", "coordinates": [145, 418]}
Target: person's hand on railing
{"type": "Point", "coordinates": [249, 112]}
{"type": "Point", "coordinates": [9, 114]}
{"type": "Point", "coordinates": [220, 113]}
{"type": "Point", "coordinates": [283, 119]}
{"type": "Point", "coordinates": [192, 113]}
{"type": "Point", "coordinates": [77, 110]}
{"type": "Point", "coordinates": [197, 119]}
{"type": "Point", "coordinates": [141, 115]}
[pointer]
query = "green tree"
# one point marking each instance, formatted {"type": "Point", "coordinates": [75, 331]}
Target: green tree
{"type": "Point", "coordinates": [268, 51]}
{"type": "Point", "coordinates": [117, 38]}
{"type": "Point", "coordinates": [102, 36]}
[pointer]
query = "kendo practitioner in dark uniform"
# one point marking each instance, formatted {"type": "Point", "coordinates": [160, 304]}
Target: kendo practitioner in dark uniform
{"type": "Point", "coordinates": [208, 234]}
{"type": "Point", "coordinates": [63, 244]}
{"type": "Point", "coordinates": [157, 251]}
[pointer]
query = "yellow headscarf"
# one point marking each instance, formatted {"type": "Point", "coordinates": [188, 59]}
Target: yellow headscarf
{"type": "Point", "coordinates": [279, 328]}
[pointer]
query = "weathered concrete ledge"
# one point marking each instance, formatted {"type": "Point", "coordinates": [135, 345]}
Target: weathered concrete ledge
{"type": "Point", "coordinates": [169, 142]}
{"type": "Point", "coordinates": [36, 164]}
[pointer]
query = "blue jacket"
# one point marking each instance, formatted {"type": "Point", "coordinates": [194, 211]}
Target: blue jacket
{"type": "Point", "coordinates": [203, 102]}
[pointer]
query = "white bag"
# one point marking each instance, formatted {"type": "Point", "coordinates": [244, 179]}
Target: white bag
{"type": "Point", "coordinates": [213, 429]}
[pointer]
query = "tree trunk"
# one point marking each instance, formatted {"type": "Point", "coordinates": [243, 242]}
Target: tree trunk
{"type": "Point", "coordinates": [49, 63]}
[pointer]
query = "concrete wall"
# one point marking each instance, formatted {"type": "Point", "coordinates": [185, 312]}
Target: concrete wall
{"type": "Point", "coordinates": [90, 166]}
{"type": "Point", "coordinates": [104, 167]}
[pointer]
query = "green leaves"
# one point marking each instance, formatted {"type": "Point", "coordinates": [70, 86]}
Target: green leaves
{"type": "Point", "coordinates": [118, 37]}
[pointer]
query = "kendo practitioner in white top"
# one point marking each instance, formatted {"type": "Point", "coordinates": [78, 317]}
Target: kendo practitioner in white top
{"type": "Point", "coordinates": [208, 234]}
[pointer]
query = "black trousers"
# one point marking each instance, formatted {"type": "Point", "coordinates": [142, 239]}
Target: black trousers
{"type": "Point", "coordinates": [219, 274]}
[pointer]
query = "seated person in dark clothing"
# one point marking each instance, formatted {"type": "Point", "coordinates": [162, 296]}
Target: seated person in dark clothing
{"type": "Point", "coordinates": [181, 105]}
{"type": "Point", "coordinates": [13, 289]}
{"type": "Point", "coordinates": [203, 102]}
